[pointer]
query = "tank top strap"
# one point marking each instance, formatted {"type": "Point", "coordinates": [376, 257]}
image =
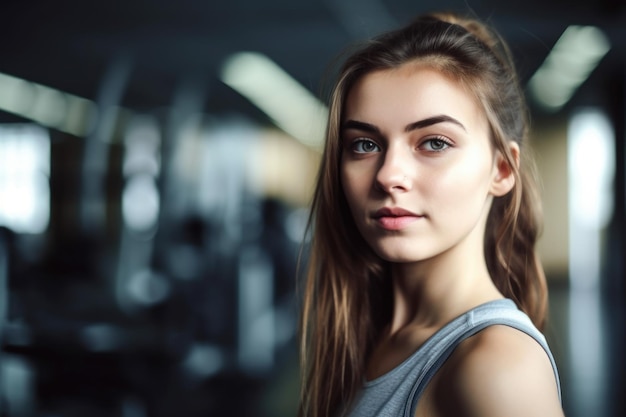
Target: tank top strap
{"type": "Point", "coordinates": [498, 312]}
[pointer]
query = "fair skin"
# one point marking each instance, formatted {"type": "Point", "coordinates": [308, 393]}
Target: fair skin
{"type": "Point", "coordinates": [419, 173]}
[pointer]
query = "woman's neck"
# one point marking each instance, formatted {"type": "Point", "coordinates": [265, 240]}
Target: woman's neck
{"type": "Point", "coordinates": [432, 292]}
{"type": "Point", "coordinates": [426, 296]}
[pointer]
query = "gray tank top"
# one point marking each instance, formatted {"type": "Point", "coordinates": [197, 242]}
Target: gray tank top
{"type": "Point", "coordinates": [397, 392]}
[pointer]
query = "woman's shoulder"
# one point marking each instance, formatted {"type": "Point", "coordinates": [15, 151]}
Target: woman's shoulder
{"type": "Point", "coordinates": [499, 371]}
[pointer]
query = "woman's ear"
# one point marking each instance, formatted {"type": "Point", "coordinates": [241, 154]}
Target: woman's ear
{"type": "Point", "coordinates": [504, 180]}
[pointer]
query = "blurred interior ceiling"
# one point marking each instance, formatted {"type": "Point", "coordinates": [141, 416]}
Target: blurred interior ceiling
{"type": "Point", "coordinates": [70, 45]}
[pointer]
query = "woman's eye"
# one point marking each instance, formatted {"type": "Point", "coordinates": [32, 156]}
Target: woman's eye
{"type": "Point", "coordinates": [435, 145]}
{"type": "Point", "coordinates": [365, 146]}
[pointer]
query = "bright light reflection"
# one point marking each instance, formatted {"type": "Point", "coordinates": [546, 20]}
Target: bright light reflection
{"type": "Point", "coordinates": [140, 203]}
{"type": "Point", "coordinates": [141, 167]}
{"type": "Point", "coordinates": [591, 169]}
{"type": "Point", "coordinates": [24, 173]}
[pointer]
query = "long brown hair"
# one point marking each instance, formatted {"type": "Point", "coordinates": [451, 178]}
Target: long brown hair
{"type": "Point", "coordinates": [347, 299]}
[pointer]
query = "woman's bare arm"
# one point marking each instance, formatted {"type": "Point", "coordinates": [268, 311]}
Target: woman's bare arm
{"type": "Point", "coordinates": [500, 371]}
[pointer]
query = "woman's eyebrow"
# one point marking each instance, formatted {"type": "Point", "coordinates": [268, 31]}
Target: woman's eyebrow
{"type": "Point", "coordinates": [420, 124]}
{"type": "Point", "coordinates": [365, 127]}
{"type": "Point", "coordinates": [442, 118]}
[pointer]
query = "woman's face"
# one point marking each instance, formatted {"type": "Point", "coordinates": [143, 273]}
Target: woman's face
{"type": "Point", "coordinates": [418, 169]}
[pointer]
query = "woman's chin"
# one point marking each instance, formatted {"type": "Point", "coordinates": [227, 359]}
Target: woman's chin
{"type": "Point", "coordinates": [401, 256]}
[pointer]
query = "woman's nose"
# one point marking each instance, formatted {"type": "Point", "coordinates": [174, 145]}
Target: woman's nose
{"type": "Point", "coordinates": [396, 172]}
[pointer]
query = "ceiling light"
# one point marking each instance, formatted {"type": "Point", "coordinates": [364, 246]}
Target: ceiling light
{"type": "Point", "coordinates": [290, 105]}
{"type": "Point", "coordinates": [574, 56]}
{"type": "Point", "coordinates": [48, 107]}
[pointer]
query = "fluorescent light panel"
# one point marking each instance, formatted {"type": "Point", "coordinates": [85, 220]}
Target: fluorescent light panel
{"type": "Point", "coordinates": [290, 105]}
{"type": "Point", "coordinates": [574, 56]}
{"type": "Point", "coordinates": [49, 107]}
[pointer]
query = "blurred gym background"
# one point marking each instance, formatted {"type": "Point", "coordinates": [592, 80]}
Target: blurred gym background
{"type": "Point", "coordinates": [156, 165]}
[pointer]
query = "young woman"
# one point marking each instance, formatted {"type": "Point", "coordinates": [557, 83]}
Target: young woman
{"type": "Point", "coordinates": [424, 295]}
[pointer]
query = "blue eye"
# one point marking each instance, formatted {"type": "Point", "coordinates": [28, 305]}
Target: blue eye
{"type": "Point", "coordinates": [365, 146]}
{"type": "Point", "coordinates": [435, 145]}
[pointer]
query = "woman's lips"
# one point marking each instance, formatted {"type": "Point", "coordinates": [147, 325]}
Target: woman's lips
{"type": "Point", "coordinates": [395, 218]}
